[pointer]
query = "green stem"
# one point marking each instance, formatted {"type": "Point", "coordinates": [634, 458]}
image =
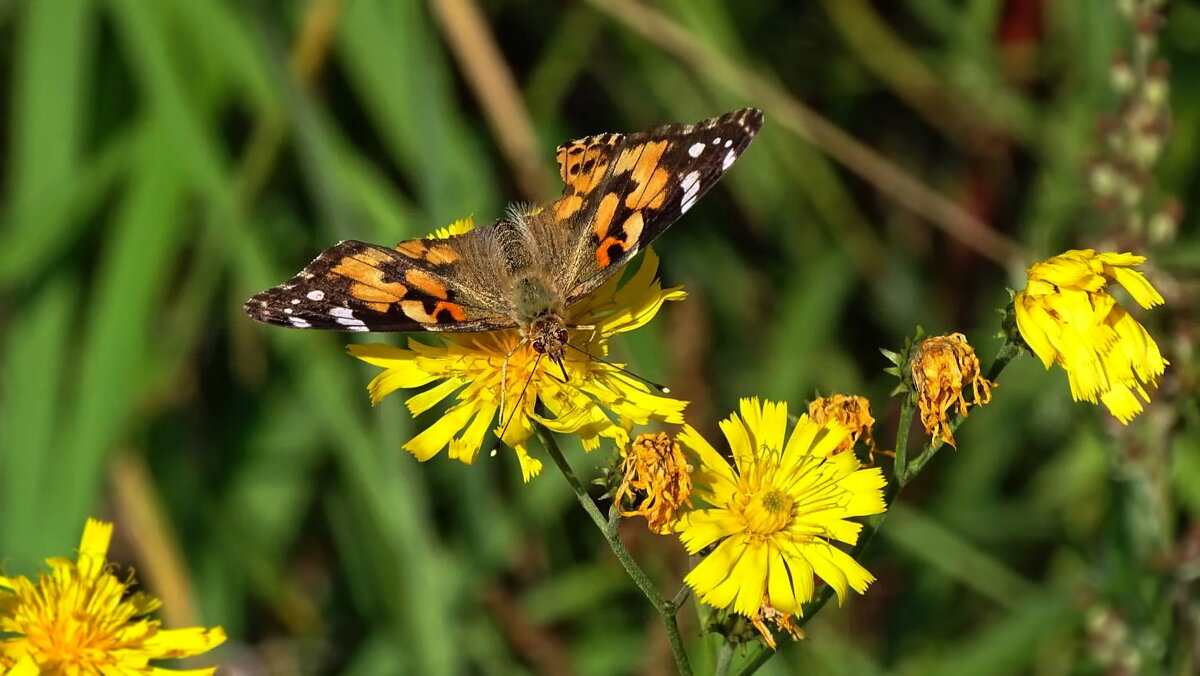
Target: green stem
{"type": "Point", "coordinates": [724, 659]}
{"type": "Point", "coordinates": [902, 473]}
{"type": "Point", "coordinates": [608, 527]}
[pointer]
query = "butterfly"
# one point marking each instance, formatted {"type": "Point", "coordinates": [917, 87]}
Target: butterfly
{"type": "Point", "coordinates": [524, 270]}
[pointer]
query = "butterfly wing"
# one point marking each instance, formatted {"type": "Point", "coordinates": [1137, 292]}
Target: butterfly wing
{"type": "Point", "coordinates": [622, 191]}
{"type": "Point", "coordinates": [356, 286]}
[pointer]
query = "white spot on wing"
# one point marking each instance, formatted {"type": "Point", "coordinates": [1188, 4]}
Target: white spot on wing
{"type": "Point", "coordinates": [299, 323]}
{"type": "Point", "coordinates": [729, 143]}
{"type": "Point", "coordinates": [696, 149]}
{"type": "Point", "coordinates": [352, 323]}
{"type": "Point", "coordinates": [287, 310]}
{"type": "Point", "coordinates": [729, 158]}
{"type": "Point", "coordinates": [295, 301]}
{"type": "Point", "coordinates": [316, 295]}
{"type": "Point", "coordinates": [716, 140]}
{"type": "Point", "coordinates": [691, 189]}
{"type": "Point", "coordinates": [358, 328]}
{"type": "Point", "coordinates": [341, 312]}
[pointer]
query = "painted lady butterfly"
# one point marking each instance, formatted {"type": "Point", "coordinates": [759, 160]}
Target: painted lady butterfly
{"type": "Point", "coordinates": [525, 270]}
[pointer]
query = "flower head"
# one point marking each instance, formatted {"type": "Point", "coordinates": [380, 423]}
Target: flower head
{"type": "Point", "coordinates": [775, 514]}
{"type": "Point", "coordinates": [80, 619]}
{"type": "Point", "coordinates": [654, 466]}
{"type": "Point", "coordinates": [485, 370]}
{"type": "Point", "coordinates": [850, 411]}
{"type": "Point", "coordinates": [942, 368]}
{"type": "Point", "coordinates": [1067, 317]}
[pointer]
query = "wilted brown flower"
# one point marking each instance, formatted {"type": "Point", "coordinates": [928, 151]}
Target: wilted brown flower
{"type": "Point", "coordinates": [941, 368]}
{"type": "Point", "coordinates": [850, 411]}
{"type": "Point", "coordinates": [781, 620]}
{"type": "Point", "coordinates": [654, 465]}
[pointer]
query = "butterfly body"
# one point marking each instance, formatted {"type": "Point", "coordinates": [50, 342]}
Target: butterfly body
{"type": "Point", "coordinates": [523, 271]}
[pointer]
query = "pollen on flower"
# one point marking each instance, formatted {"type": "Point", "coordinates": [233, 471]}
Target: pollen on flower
{"type": "Point", "coordinates": [852, 412]}
{"type": "Point", "coordinates": [80, 619]}
{"type": "Point", "coordinates": [654, 468]}
{"type": "Point", "coordinates": [942, 368]}
{"type": "Point", "coordinates": [1067, 316]}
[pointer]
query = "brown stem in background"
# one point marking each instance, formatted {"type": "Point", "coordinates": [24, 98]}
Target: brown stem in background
{"type": "Point", "coordinates": [489, 76]}
{"type": "Point", "coordinates": [139, 511]}
{"type": "Point", "coordinates": [791, 113]}
{"type": "Point", "coordinates": [882, 52]}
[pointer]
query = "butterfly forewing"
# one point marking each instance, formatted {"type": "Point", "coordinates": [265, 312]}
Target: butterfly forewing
{"type": "Point", "coordinates": [356, 286]}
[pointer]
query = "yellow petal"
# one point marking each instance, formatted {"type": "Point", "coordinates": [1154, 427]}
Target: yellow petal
{"type": "Point", "coordinates": [712, 578]}
{"type": "Point", "coordinates": [93, 548]}
{"type": "Point", "coordinates": [780, 588]}
{"type": "Point", "coordinates": [702, 527]}
{"type": "Point", "coordinates": [437, 436]}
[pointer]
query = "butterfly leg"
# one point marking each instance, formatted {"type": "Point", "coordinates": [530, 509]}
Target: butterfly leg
{"type": "Point", "coordinates": [504, 374]}
{"type": "Point", "coordinates": [585, 327]}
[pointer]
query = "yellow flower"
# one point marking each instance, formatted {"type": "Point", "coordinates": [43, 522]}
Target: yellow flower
{"type": "Point", "coordinates": [1067, 317]}
{"type": "Point", "coordinates": [942, 367]}
{"type": "Point", "coordinates": [80, 619]}
{"type": "Point", "coordinates": [850, 411]}
{"type": "Point", "coordinates": [472, 365]}
{"type": "Point", "coordinates": [775, 514]}
{"type": "Point", "coordinates": [655, 466]}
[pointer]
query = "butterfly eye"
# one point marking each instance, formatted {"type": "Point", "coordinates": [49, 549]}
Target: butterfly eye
{"type": "Point", "coordinates": [562, 336]}
{"type": "Point", "coordinates": [539, 345]}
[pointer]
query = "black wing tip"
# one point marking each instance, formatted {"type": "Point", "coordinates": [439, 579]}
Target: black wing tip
{"type": "Point", "coordinates": [749, 118]}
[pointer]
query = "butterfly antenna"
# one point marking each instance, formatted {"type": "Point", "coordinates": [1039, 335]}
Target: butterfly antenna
{"type": "Point", "coordinates": [658, 386]}
{"type": "Point", "coordinates": [520, 398]}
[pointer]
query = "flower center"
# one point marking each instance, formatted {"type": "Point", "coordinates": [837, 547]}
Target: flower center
{"type": "Point", "coordinates": [768, 511]}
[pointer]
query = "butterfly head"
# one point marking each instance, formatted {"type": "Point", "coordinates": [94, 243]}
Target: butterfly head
{"type": "Point", "coordinates": [548, 335]}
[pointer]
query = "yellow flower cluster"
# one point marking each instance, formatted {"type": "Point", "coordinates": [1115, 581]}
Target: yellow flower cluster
{"type": "Point", "coordinates": [1068, 317]}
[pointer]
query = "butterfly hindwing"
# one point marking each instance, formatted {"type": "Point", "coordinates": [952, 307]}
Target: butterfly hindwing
{"type": "Point", "coordinates": [355, 286]}
{"type": "Point", "coordinates": [623, 191]}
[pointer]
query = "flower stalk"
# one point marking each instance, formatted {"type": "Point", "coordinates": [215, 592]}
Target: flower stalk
{"type": "Point", "coordinates": [609, 528]}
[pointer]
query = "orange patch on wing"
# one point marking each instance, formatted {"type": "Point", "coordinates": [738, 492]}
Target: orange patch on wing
{"type": "Point", "coordinates": [425, 282]}
{"type": "Point", "coordinates": [381, 308]}
{"type": "Point", "coordinates": [373, 257]}
{"type": "Point", "coordinates": [642, 159]}
{"type": "Point", "coordinates": [456, 311]}
{"type": "Point", "coordinates": [604, 214]}
{"type": "Point", "coordinates": [652, 193]}
{"type": "Point", "coordinates": [588, 179]}
{"type": "Point", "coordinates": [368, 276]}
{"type": "Point", "coordinates": [413, 248]}
{"type": "Point", "coordinates": [373, 293]}
{"type": "Point", "coordinates": [602, 257]}
{"type": "Point", "coordinates": [567, 207]}
{"type": "Point", "coordinates": [633, 228]}
{"type": "Point", "coordinates": [442, 254]}
{"type": "Point", "coordinates": [415, 310]}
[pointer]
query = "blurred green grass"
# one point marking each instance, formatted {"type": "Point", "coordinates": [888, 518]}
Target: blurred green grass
{"type": "Point", "coordinates": [161, 164]}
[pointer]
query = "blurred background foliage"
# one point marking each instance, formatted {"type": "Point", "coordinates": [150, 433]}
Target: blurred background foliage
{"type": "Point", "coordinates": [164, 159]}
